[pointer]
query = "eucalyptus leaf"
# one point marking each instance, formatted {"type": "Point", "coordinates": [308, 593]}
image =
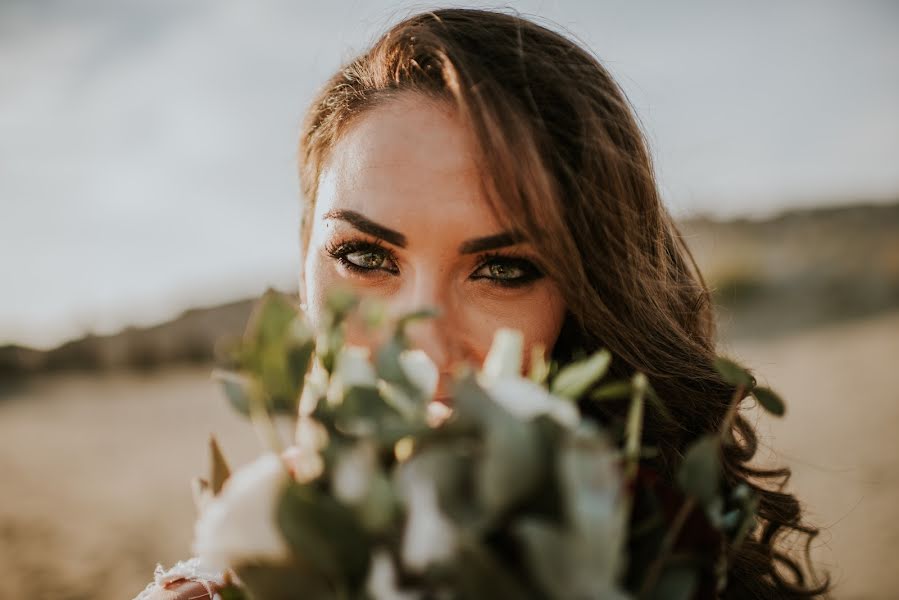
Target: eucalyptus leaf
{"type": "Point", "coordinates": [615, 390]}
{"type": "Point", "coordinates": [511, 463]}
{"type": "Point", "coordinates": [387, 363]}
{"type": "Point", "coordinates": [232, 592]}
{"type": "Point", "coordinates": [731, 520]}
{"type": "Point", "coordinates": [633, 430]}
{"type": "Point", "coordinates": [575, 379]}
{"type": "Point", "coordinates": [699, 473]}
{"type": "Point", "coordinates": [238, 389]}
{"type": "Point", "coordinates": [539, 368]}
{"type": "Point", "coordinates": [451, 466]}
{"type": "Point", "coordinates": [282, 582]}
{"type": "Point", "coordinates": [748, 523]}
{"type": "Point", "coordinates": [273, 315]}
{"type": "Point", "coordinates": [733, 373]}
{"type": "Point", "coordinates": [324, 533]}
{"type": "Point", "coordinates": [472, 405]}
{"type": "Point", "coordinates": [339, 304]}
{"type": "Point", "coordinates": [417, 315]}
{"type": "Point", "coordinates": [658, 404]}
{"type": "Point", "coordinates": [478, 574]}
{"type": "Point", "coordinates": [592, 482]}
{"type": "Point", "coordinates": [770, 401]}
{"type": "Point", "coordinates": [363, 406]}
{"type": "Point", "coordinates": [677, 582]}
{"type": "Point", "coordinates": [299, 356]}
{"type": "Point", "coordinates": [275, 378]}
{"type": "Point", "coordinates": [549, 553]}
{"type": "Point", "coordinates": [378, 510]}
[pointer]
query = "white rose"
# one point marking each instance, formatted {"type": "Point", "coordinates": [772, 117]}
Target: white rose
{"type": "Point", "coordinates": [504, 357]}
{"type": "Point", "coordinates": [420, 370]}
{"type": "Point", "coordinates": [239, 524]}
{"type": "Point", "coordinates": [354, 368]}
{"type": "Point", "coordinates": [429, 536]}
{"type": "Point", "coordinates": [526, 400]}
{"type": "Point", "coordinates": [353, 473]}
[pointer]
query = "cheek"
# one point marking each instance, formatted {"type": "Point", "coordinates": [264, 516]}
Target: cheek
{"type": "Point", "coordinates": [319, 279]}
{"type": "Point", "coordinates": [538, 315]}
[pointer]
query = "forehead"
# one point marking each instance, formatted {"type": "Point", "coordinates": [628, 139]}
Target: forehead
{"type": "Point", "coordinates": [409, 164]}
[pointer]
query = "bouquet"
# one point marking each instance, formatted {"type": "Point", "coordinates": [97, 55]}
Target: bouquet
{"type": "Point", "coordinates": [368, 489]}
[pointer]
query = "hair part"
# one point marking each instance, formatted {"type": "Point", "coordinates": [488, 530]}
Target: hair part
{"type": "Point", "coordinates": [566, 165]}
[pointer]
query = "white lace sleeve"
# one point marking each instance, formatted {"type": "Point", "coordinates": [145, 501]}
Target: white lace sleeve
{"type": "Point", "coordinates": [190, 570]}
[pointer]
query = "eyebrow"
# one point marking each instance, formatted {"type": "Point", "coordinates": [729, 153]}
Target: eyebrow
{"type": "Point", "coordinates": [366, 225]}
{"type": "Point", "coordinates": [490, 242]}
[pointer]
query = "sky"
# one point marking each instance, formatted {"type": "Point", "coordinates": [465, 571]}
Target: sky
{"type": "Point", "coordinates": [148, 147]}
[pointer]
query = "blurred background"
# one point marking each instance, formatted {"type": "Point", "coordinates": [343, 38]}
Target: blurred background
{"type": "Point", "coordinates": [149, 192]}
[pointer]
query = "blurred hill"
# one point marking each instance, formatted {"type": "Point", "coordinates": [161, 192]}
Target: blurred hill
{"type": "Point", "coordinates": [799, 270]}
{"type": "Point", "coordinates": [190, 338]}
{"type": "Point", "coordinates": [770, 277]}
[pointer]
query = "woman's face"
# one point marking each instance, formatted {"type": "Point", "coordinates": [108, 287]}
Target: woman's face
{"type": "Point", "coordinates": [400, 216]}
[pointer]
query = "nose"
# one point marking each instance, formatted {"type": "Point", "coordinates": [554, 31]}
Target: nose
{"type": "Point", "coordinates": [436, 335]}
{"type": "Point", "coordinates": [429, 336]}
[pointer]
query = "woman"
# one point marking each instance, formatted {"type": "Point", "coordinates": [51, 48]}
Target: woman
{"type": "Point", "coordinates": [483, 164]}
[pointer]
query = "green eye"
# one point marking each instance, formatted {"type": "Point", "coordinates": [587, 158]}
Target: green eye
{"type": "Point", "coordinates": [505, 271]}
{"type": "Point", "coordinates": [508, 271]}
{"type": "Point", "coordinates": [366, 260]}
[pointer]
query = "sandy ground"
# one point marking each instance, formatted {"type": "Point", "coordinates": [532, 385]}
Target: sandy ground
{"type": "Point", "coordinates": [95, 469]}
{"type": "Point", "coordinates": [841, 438]}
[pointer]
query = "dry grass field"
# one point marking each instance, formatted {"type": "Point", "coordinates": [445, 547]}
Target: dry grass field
{"type": "Point", "coordinates": [95, 467]}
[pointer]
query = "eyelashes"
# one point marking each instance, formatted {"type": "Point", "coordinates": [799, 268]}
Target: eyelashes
{"type": "Point", "coordinates": [371, 258]}
{"type": "Point", "coordinates": [362, 256]}
{"type": "Point", "coordinates": [506, 270]}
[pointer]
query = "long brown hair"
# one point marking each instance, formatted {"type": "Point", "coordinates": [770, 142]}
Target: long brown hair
{"type": "Point", "coordinates": [566, 165]}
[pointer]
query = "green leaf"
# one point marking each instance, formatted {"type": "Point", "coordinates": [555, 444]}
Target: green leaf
{"type": "Point", "coordinates": [770, 401]}
{"type": "Point", "coordinates": [232, 592]}
{"type": "Point", "coordinates": [479, 574]}
{"type": "Point", "coordinates": [590, 475]}
{"type": "Point", "coordinates": [379, 508]}
{"type": "Point", "coordinates": [325, 534]}
{"type": "Point", "coordinates": [575, 379]}
{"type": "Point", "coordinates": [549, 553]}
{"type": "Point", "coordinates": [659, 405]}
{"type": "Point", "coordinates": [339, 304]}
{"type": "Point", "coordinates": [424, 313]}
{"type": "Point", "coordinates": [615, 390]}
{"type": "Point", "coordinates": [539, 368]}
{"type": "Point", "coordinates": [677, 582]}
{"type": "Point", "coordinates": [363, 410]}
{"type": "Point", "coordinates": [281, 582]}
{"type": "Point", "coordinates": [511, 464]}
{"type": "Point", "coordinates": [271, 318]}
{"type": "Point", "coordinates": [220, 471]}
{"type": "Point", "coordinates": [471, 404]}
{"type": "Point", "coordinates": [750, 507]}
{"type": "Point", "coordinates": [451, 465]}
{"type": "Point", "coordinates": [700, 471]}
{"type": "Point", "coordinates": [633, 430]}
{"type": "Point", "coordinates": [387, 363]}
{"type": "Point", "coordinates": [298, 358]}
{"type": "Point", "coordinates": [733, 373]}
{"type": "Point", "coordinates": [238, 389]}
{"type": "Point", "coordinates": [512, 460]}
